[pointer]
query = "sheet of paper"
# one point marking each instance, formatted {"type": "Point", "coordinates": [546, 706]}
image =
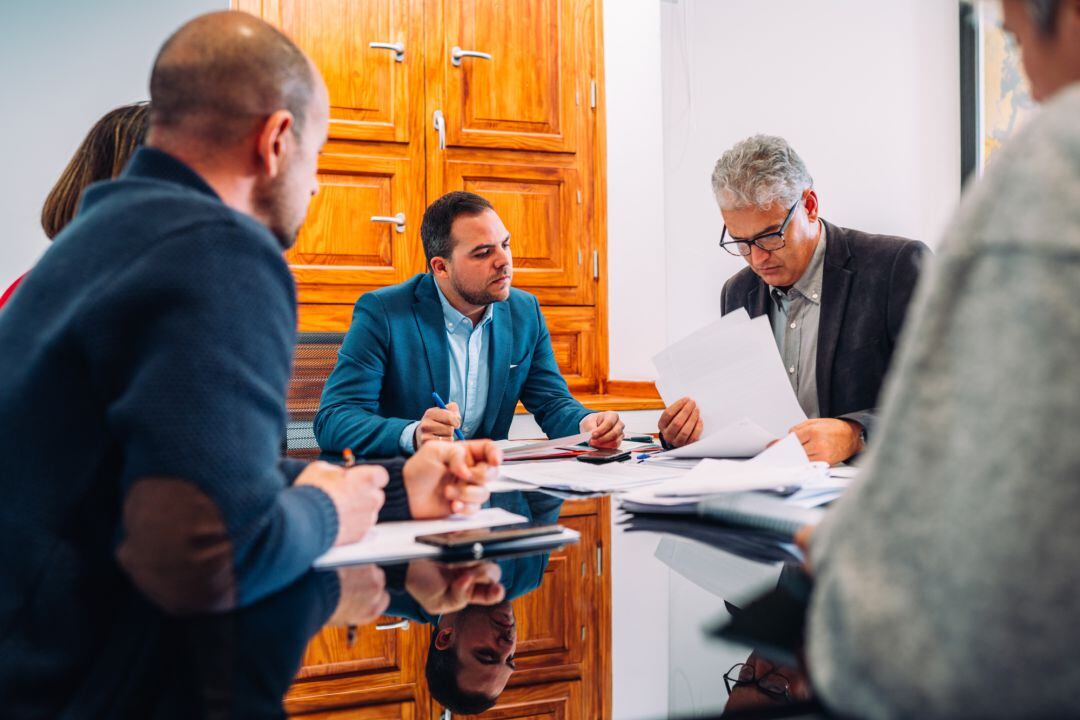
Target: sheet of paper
{"type": "Point", "coordinates": [844, 471]}
{"type": "Point", "coordinates": [394, 541]}
{"type": "Point", "coordinates": [785, 464]}
{"type": "Point", "coordinates": [583, 477]}
{"type": "Point", "coordinates": [740, 439]}
{"type": "Point", "coordinates": [735, 375]}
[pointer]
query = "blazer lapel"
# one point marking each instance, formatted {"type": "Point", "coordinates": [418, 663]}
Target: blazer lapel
{"type": "Point", "coordinates": [429, 321]}
{"type": "Point", "coordinates": [502, 343]}
{"type": "Point", "coordinates": [757, 300]}
{"type": "Point", "coordinates": [835, 284]}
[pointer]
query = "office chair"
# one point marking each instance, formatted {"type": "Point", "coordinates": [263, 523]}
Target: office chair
{"type": "Point", "coordinates": [313, 360]}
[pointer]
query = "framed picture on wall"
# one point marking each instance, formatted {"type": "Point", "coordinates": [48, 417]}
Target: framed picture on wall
{"type": "Point", "coordinates": [995, 100]}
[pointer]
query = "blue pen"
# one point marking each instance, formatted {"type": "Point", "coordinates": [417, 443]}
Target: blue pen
{"type": "Point", "coordinates": [440, 404]}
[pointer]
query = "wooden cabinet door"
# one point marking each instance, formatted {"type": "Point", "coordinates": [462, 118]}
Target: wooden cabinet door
{"type": "Point", "coordinates": [341, 251]}
{"type": "Point", "coordinates": [539, 201]}
{"type": "Point", "coordinates": [368, 668]}
{"type": "Point", "coordinates": [545, 701]}
{"type": "Point", "coordinates": [574, 337]}
{"type": "Point", "coordinates": [373, 94]}
{"type": "Point", "coordinates": [528, 94]}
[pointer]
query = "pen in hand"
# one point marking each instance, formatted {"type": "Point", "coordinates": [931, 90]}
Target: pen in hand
{"type": "Point", "coordinates": [350, 459]}
{"type": "Point", "coordinates": [458, 435]}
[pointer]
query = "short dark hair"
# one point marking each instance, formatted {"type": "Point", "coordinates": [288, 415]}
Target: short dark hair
{"type": "Point", "coordinates": [440, 216]}
{"type": "Point", "coordinates": [216, 83]}
{"type": "Point", "coordinates": [101, 156]}
{"type": "Point", "coordinates": [441, 671]}
{"type": "Point", "coordinates": [1044, 13]}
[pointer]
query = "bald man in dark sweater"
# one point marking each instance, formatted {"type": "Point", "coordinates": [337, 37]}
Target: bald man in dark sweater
{"type": "Point", "coordinates": [145, 362]}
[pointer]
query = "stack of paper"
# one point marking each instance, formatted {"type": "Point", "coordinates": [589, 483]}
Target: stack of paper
{"type": "Point", "coordinates": [784, 466]}
{"type": "Point", "coordinates": [582, 477]}
{"type": "Point", "coordinates": [735, 375]}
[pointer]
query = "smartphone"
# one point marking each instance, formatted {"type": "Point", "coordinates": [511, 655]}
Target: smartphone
{"type": "Point", "coordinates": [606, 455]}
{"type": "Point", "coordinates": [468, 538]}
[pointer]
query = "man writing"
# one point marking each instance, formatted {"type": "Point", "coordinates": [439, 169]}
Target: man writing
{"type": "Point", "coordinates": [145, 363]}
{"type": "Point", "coordinates": [836, 298]}
{"type": "Point", "coordinates": [459, 332]}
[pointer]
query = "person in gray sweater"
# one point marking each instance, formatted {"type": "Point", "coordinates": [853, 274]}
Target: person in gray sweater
{"type": "Point", "coordinates": [947, 579]}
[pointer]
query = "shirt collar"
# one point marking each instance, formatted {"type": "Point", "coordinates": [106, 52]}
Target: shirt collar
{"type": "Point", "coordinates": [454, 319]}
{"type": "Point", "coordinates": [150, 162]}
{"type": "Point", "coordinates": [809, 285]}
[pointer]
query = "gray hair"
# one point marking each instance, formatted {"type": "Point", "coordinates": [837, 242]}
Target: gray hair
{"type": "Point", "coordinates": [760, 171]}
{"type": "Point", "coordinates": [1044, 14]}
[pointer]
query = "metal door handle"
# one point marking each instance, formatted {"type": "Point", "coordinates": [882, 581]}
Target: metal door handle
{"type": "Point", "coordinates": [398, 48]}
{"type": "Point", "coordinates": [440, 126]}
{"type": "Point", "coordinates": [457, 53]}
{"type": "Point", "coordinates": [399, 625]}
{"type": "Point", "coordinates": [398, 220]}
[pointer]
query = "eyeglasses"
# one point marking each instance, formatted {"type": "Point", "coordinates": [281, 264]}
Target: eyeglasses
{"type": "Point", "coordinates": [769, 242]}
{"type": "Point", "coordinates": [771, 683]}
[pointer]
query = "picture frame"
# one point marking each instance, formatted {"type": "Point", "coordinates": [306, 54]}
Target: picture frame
{"type": "Point", "coordinates": [995, 99]}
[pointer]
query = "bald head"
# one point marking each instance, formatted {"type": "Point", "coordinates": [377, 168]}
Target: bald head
{"type": "Point", "coordinates": [222, 74]}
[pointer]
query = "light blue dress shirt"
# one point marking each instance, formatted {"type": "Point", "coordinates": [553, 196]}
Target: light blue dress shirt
{"type": "Point", "coordinates": [469, 370]}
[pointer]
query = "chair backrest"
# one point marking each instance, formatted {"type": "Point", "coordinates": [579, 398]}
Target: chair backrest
{"type": "Point", "coordinates": [313, 360]}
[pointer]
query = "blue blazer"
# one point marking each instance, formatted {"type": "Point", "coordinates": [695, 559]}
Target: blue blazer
{"type": "Point", "coordinates": [396, 354]}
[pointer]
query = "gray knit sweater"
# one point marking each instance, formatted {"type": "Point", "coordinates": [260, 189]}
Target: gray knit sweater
{"type": "Point", "coordinates": [948, 579]}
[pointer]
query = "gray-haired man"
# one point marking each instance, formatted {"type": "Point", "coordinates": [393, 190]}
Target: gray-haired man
{"type": "Point", "coordinates": [836, 297]}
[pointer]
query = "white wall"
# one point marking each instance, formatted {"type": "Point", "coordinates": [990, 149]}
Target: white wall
{"type": "Point", "coordinates": [636, 281]}
{"type": "Point", "coordinates": [64, 64]}
{"type": "Point", "coordinates": [867, 93]}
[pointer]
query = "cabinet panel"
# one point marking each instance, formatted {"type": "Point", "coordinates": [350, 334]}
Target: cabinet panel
{"type": "Point", "coordinates": [370, 671]}
{"type": "Point", "coordinates": [527, 95]}
{"type": "Point", "coordinates": [372, 95]}
{"type": "Point", "coordinates": [550, 619]}
{"type": "Point", "coordinates": [341, 252]}
{"type": "Point", "coordinates": [549, 701]}
{"type": "Point", "coordinates": [574, 340]}
{"type": "Point", "coordinates": [538, 203]}
{"type": "Point", "coordinates": [335, 650]}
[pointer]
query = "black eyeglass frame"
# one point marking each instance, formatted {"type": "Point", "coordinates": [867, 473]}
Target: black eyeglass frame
{"type": "Point", "coordinates": [736, 245]}
{"type": "Point", "coordinates": [734, 682]}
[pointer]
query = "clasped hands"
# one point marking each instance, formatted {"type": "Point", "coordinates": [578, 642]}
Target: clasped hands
{"type": "Point", "coordinates": [437, 587]}
{"type": "Point", "coordinates": [440, 479]}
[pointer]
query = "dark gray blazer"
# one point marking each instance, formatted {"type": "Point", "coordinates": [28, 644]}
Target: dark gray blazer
{"type": "Point", "coordinates": [867, 283]}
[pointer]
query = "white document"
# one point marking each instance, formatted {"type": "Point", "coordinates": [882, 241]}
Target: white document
{"type": "Point", "coordinates": [783, 465]}
{"type": "Point", "coordinates": [741, 439]}
{"type": "Point", "coordinates": [735, 375]}
{"type": "Point", "coordinates": [582, 477]}
{"type": "Point", "coordinates": [395, 541]}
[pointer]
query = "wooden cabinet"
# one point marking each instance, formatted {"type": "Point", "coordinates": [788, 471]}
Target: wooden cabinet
{"type": "Point", "coordinates": [525, 95]}
{"type": "Point", "coordinates": [348, 244]}
{"type": "Point", "coordinates": [522, 127]}
{"type": "Point", "coordinates": [375, 92]}
{"type": "Point", "coordinates": [564, 646]}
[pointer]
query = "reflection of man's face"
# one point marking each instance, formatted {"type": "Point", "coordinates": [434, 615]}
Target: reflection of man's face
{"type": "Point", "coordinates": [484, 639]}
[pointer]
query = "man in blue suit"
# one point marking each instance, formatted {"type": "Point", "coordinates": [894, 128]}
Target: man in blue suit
{"type": "Point", "coordinates": [459, 331]}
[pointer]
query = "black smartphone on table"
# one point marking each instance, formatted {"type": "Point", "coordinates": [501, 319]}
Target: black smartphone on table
{"type": "Point", "coordinates": [458, 539]}
{"type": "Point", "coordinates": [605, 455]}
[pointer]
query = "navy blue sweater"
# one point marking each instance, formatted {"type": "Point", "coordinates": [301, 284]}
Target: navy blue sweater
{"type": "Point", "coordinates": [144, 364]}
